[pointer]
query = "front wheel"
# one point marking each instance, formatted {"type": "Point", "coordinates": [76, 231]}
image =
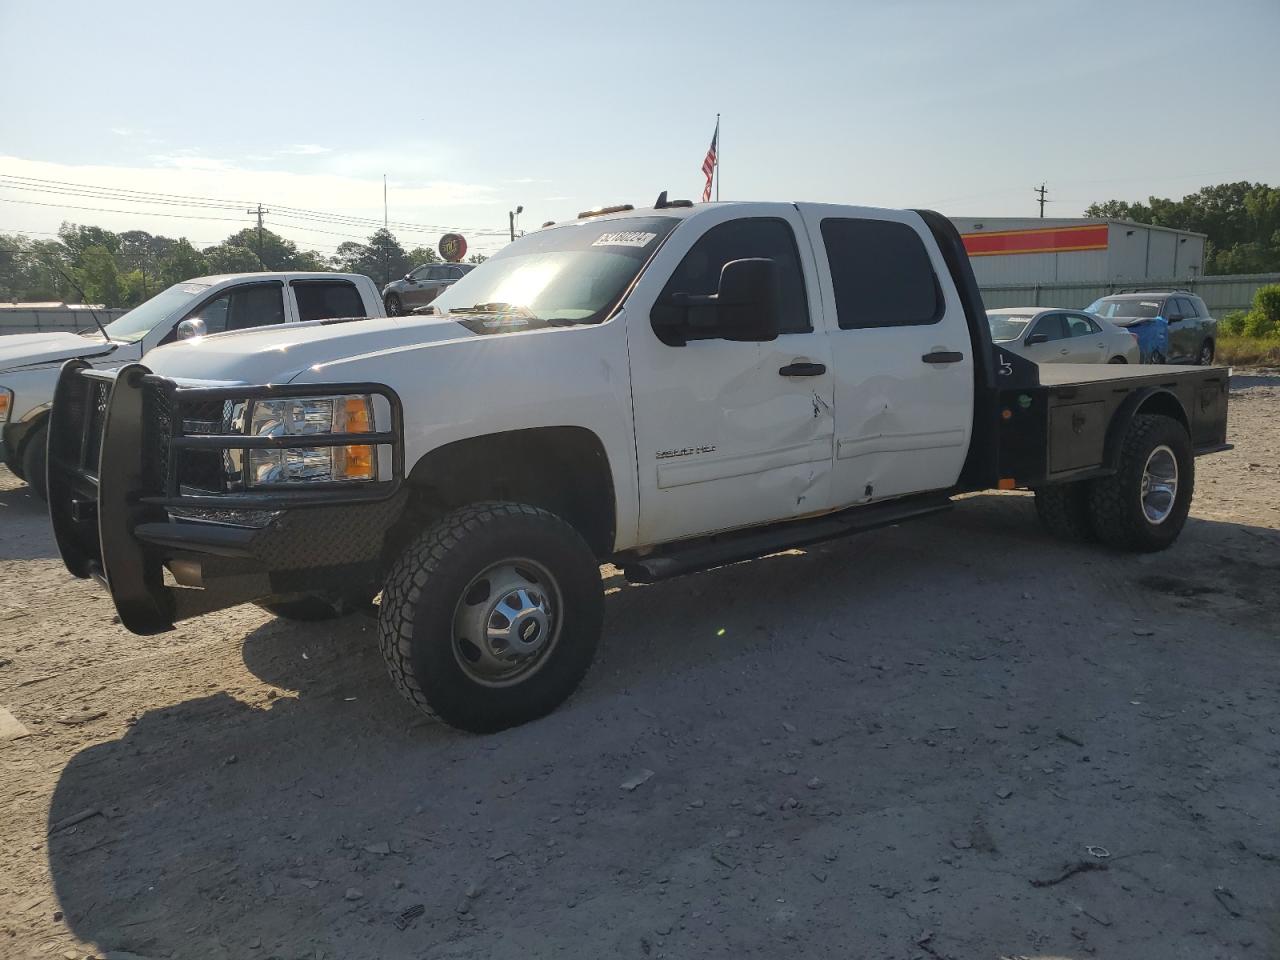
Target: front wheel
{"type": "Point", "coordinates": [394, 307]}
{"type": "Point", "coordinates": [1117, 360]}
{"type": "Point", "coordinates": [492, 616]}
{"type": "Point", "coordinates": [1143, 506]}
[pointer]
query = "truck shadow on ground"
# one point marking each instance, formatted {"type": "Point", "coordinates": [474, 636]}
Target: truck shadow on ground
{"type": "Point", "coordinates": [24, 524]}
{"type": "Point", "coordinates": [315, 822]}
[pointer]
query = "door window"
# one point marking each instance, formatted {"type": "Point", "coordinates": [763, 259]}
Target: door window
{"type": "Point", "coordinates": [1078, 326]}
{"type": "Point", "coordinates": [420, 273]}
{"type": "Point", "coordinates": [1187, 308]}
{"type": "Point", "coordinates": [881, 273]}
{"type": "Point", "coordinates": [699, 271]}
{"type": "Point", "coordinates": [1052, 327]}
{"type": "Point", "coordinates": [1172, 310]}
{"type": "Point", "coordinates": [259, 305]}
{"type": "Point", "coordinates": [323, 299]}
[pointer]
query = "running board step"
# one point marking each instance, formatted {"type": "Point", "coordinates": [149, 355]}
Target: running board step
{"type": "Point", "coordinates": [756, 542]}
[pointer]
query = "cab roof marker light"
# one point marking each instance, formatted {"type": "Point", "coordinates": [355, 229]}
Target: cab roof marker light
{"type": "Point", "coordinates": [601, 211]}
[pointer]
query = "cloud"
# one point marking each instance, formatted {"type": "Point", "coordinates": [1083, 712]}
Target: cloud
{"type": "Point", "coordinates": [526, 180]}
{"type": "Point", "coordinates": [306, 149]}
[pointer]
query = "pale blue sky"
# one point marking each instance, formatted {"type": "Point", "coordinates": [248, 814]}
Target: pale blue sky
{"type": "Point", "coordinates": [471, 109]}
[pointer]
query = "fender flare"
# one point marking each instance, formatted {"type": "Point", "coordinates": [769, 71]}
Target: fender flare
{"type": "Point", "coordinates": [1167, 404]}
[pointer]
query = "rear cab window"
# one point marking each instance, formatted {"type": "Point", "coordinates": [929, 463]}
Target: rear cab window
{"type": "Point", "coordinates": [881, 274]}
{"type": "Point", "coordinates": [326, 299]}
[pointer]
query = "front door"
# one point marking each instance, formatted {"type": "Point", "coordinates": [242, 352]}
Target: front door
{"type": "Point", "coordinates": [901, 351]}
{"type": "Point", "coordinates": [730, 434]}
{"type": "Point", "coordinates": [1184, 329]}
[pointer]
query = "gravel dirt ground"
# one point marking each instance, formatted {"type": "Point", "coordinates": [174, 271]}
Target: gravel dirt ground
{"type": "Point", "coordinates": [917, 743]}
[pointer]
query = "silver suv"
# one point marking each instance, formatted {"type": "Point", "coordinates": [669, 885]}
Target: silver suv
{"type": "Point", "coordinates": [1193, 334]}
{"type": "Point", "coordinates": [422, 285]}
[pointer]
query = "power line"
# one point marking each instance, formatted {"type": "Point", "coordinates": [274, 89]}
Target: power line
{"type": "Point", "coordinates": [134, 213]}
{"type": "Point", "coordinates": [127, 195]}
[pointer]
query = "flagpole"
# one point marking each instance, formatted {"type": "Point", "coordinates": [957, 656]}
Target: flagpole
{"type": "Point", "coordinates": [717, 158]}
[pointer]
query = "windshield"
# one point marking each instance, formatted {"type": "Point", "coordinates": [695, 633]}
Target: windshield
{"type": "Point", "coordinates": [575, 273]}
{"type": "Point", "coordinates": [1006, 326]}
{"type": "Point", "coordinates": [142, 319]}
{"type": "Point", "coordinates": [1125, 309]}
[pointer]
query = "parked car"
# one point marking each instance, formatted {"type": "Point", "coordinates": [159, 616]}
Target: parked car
{"type": "Point", "coordinates": [1193, 334]}
{"type": "Point", "coordinates": [667, 389]}
{"type": "Point", "coordinates": [1052, 335]}
{"type": "Point", "coordinates": [29, 362]}
{"type": "Point", "coordinates": [422, 285]}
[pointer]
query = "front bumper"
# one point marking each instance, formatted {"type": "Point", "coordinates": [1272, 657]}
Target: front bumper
{"type": "Point", "coordinates": [124, 508]}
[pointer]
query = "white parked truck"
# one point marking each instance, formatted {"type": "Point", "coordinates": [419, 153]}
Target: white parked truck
{"type": "Point", "coordinates": [29, 363]}
{"type": "Point", "coordinates": [667, 389]}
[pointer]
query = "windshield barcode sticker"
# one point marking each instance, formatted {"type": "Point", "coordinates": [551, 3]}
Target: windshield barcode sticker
{"type": "Point", "coordinates": [628, 238]}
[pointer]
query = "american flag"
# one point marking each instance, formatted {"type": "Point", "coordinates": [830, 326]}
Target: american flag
{"type": "Point", "coordinates": [709, 164]}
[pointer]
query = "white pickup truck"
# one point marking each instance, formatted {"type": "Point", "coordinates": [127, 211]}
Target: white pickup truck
{"type": "Point", "coordinates": [29, 363]}
{"type": "Point", "coordinates": [667, 389]}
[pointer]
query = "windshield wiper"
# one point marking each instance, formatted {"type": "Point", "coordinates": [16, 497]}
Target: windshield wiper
{"type": "Point", "coordinates": [494, 307]}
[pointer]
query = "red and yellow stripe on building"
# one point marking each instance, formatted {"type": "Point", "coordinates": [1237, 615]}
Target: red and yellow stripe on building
{"type": "Point", "coordinates": [1091, 236]}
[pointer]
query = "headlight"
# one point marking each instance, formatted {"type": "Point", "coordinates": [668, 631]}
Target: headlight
{"type": "Point", "coordinates": [304, 417]}
{"type": "Point", "coordinates": [6, 403]}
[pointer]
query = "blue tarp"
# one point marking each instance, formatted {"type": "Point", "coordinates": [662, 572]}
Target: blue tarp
{"type": "Point", "coordinates": [1153, 338]}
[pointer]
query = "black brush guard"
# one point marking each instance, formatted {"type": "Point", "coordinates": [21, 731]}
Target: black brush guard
{"type": "Point", "coordinates": [122, 502]}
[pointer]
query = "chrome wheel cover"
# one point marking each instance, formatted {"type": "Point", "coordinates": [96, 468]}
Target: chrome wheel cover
{"type": "Point", "coordinates": [507, 622]}
{"type": "Point", "coordinates": [1159, 489]}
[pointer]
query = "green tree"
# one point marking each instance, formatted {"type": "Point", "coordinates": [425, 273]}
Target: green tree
{"type": "Point", "coordinates": [99, 277]}
{"type": "Point", "coordinates": [277, 252]}
{"type": "Point", "coordinates": [78, 239]}
{"type": "Point", "coordinates": [182, 263]}
{"type": "Point", "coordinates": [1241, 220]}
{"type": "Point", "coordinates": [227, 258]}
{"type": "Point", "coordinates": [420, 255]}
{"type": "Point", "coordinates": [477, 258]}
{"type": "Point", "coordinates": [382, 259]}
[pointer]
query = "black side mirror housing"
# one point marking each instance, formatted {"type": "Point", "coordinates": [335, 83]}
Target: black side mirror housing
{"type": "Point", "coordinates": [747, 307]}
{"type": "Point", "coordinates": [1037, 338]}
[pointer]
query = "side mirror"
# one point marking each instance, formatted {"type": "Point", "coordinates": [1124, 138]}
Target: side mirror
{"type": "Point", "coordinates": [746, 307]}
{"type": "Point", "coordinates": [188, 329]}
{"type": "Point", "coordinates": [1037, 338]}
{"type": "Point", "coordinates": [409, 277]}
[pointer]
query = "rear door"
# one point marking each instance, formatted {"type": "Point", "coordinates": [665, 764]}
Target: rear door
{"type": "Point", "coordinates": [1086, 342]}
{"type": "Point", "coordinates": [901, 352]}
{"type": "Point", "coordinates": [1185, 337]}
{"type": "Point", "coordinates": [730, 434]}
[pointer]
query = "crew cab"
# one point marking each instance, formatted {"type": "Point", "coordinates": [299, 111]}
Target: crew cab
{"type": "Point", "coordinates": [667, 389]}
{"type": "Point", "coordinates": [29, 363]}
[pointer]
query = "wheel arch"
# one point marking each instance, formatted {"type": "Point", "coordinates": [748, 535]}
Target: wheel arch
{"type": "Point", "coordinates": [562, 469]}
{"type": "Point", "coordinates": [1152, 400]}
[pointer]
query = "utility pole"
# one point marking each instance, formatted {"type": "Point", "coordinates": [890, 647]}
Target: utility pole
{"type": "Point", "coordinates": [259, 212]}
{"type": "Point", "coordinates": [384, 201]}
{"type": "Point", "coordinates": [1041, 190]}
{"type": "Point", "coordinates": [511, 220]}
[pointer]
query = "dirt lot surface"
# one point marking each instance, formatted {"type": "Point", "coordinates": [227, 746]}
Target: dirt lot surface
{"type": "Point", "coordinates": [956, 739]}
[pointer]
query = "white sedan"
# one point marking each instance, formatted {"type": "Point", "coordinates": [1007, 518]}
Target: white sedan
{"type": "Point", "coordinates": [1053, 335]}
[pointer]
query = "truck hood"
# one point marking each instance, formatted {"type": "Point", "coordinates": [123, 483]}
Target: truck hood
{"type": "Point", "coordinates": [21, 350]}
{"type": "Point", "coordinates": [278, 354]}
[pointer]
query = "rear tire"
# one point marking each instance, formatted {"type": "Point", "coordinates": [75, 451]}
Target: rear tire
{"type": "Point", "coordinates": [1205, 357]}
{"type": "Point", "coordinates": [1135, 509]}
{"type": "Point", "coordinates": [491, 617]}
{"type": "Point", "coordinates": [34, 453]}
{"type": "Point", "coordinates": [1063, 509]}
{"type": "Point", "coordinates": [394, 307]}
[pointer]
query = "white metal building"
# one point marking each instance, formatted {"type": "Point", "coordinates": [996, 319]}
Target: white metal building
{"type": "Point", "coordinates": [1008, 250]}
